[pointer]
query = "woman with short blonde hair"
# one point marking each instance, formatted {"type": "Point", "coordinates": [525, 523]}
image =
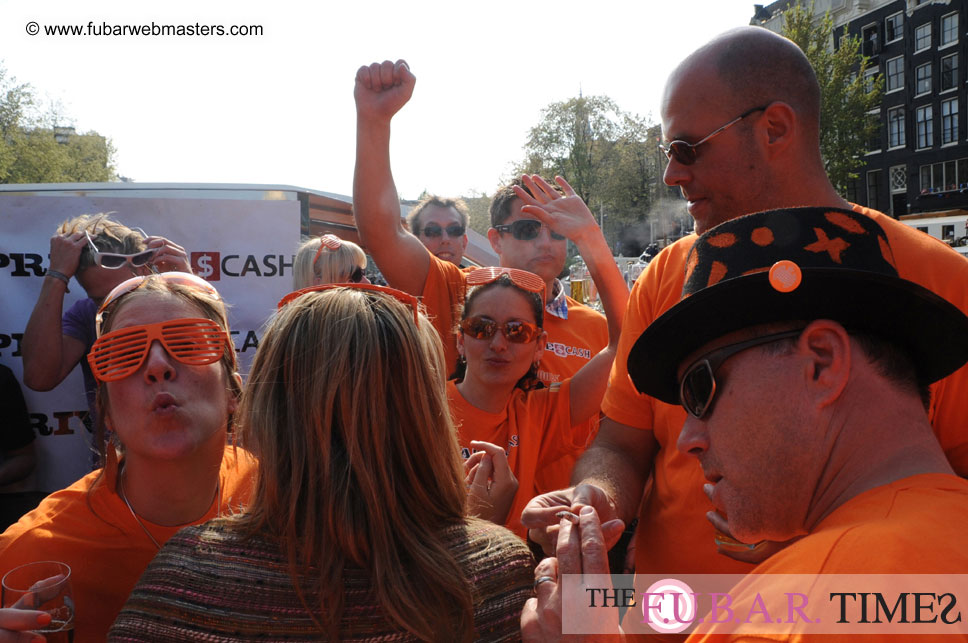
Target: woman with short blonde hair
{"type": "Point", "coordinates": [328, 260]}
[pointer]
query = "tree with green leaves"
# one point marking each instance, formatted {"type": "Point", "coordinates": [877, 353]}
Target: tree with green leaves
{"type": "Point", "coordinates": [35, 148]}
{"type": "Point", "coordinates": [609, 156]}
{"type": "Point", "coordinates": [847, 95]}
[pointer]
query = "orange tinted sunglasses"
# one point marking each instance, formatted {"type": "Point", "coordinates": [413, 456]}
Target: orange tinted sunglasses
{"type": "Point", "coordinates": [120, 353]}
{"type": "Point", "coordinates": [181, 278]}
{"type": "Point", "coordinates": [399, 295]}
{"type": "Point", "coordinates": [520, 278]}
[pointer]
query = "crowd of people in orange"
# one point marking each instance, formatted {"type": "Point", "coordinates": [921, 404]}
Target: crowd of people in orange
{"type": "Point", "coordinates": [781, 392]}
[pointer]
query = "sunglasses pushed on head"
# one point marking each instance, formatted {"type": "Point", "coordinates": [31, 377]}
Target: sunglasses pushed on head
{"type": "Point", "coordinates": [115, 260]}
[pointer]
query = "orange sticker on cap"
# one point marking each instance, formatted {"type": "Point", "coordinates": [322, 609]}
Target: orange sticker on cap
{"type": "Point", "coordinates": [785, 276]}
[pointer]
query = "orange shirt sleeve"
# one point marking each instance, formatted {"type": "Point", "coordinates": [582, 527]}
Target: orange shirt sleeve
{"type": "Point", "coordinates": [655, 291]}
{"type": "Point", "coordinates": [443, 299]}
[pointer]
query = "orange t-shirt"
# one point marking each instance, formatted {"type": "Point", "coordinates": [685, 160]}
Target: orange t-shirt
{"type": "Point", "coordinates": [534, 429]}
{"type": "Point", "coordinates": [89, 527]}
{"type": "Point", "coordinates": [673, 534]}
{"type": "Point", "coordinates": [572, 342]}
{"type": "Point", "coordinates": [915, 525]}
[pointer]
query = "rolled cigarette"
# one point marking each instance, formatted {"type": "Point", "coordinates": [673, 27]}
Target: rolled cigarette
{"type": "Point", "coordinates": [573, 517]}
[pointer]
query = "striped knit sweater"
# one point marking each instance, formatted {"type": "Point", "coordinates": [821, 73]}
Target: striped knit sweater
{"type": "Point", "coordinates": [208, 583]}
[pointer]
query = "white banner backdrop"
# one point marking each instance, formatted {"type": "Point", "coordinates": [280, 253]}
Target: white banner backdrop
{"type": "Point", "coordinates": [243, 247]}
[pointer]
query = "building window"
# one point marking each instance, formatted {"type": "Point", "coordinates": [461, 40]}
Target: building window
{"type": "Point", "coordinates": [949, 121]}
{"type": "Point", "coordinates": [869, 38]}
{"type": "Point", "coordinates": [874, 144]}
{"type": "Point", "coordinates": [949, 72]}
{"type": "Point", "coordinates": [948, 232]}
{"type": "Point", "coordinates": [949, 29]}
{"type": "Point", "coordinates": [873, 189]}
{"type": "Point", "coordinates": [852, 190]}
{"type": "Point", "coordinates": [893, 27]}
{"type": "Point", "coordinates": [945, 176]}
{"type": "Point", "coordinates": [869, 77]}
{"type": "Point", "coordinates": [923, 228]}
{"type": "Point", "coordinates": [923, 75]}
{"type": "Point", "coordinates": [895, 74]}
{"type": "Point", "coordinates": [925, 121]}
{"type": "Point", "coordinates": [922, 37]}
{"type": "Point", "coordinates": [895, 127]}
{"type": "Point", "coordinates": [898, 179]}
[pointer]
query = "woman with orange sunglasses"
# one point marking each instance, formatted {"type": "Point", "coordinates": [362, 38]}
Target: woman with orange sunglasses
{"type": "Point", "coordinates": [167, 390]}
{"type": "Point", "coordinates": [509, 425]}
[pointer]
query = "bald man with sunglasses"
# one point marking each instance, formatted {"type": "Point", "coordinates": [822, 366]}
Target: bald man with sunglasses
{"type": "Point", "coordinates": [99, 253]}
{"type": "Point", "coordinates": [739, 140]}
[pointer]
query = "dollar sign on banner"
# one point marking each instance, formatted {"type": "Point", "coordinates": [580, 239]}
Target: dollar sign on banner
{"type": "Point", "coordinates": [206, 265]}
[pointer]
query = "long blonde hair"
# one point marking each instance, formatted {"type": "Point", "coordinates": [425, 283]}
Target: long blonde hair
{"type": "Point", "coordinates": [332, 267]}
{"type": "Point", "coordinates": [359, 463]}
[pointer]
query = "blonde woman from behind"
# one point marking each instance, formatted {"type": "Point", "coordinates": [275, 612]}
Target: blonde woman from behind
{"type": "Point", "coordinates": [358, 527]}
{"type": "Point", "coordinates": [328, 260]}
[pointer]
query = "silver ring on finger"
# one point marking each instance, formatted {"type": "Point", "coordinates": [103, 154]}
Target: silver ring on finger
{"type": "Point", "coordinates": [543, 579]}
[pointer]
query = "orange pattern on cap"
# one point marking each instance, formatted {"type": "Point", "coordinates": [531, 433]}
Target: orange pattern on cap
{"type": "Point", "coordinates": [841, 220]}
{"type": "Point", "coordinates": [717, 271]}
{"type": "Point", "coordinates": [724, 240]}
{"type": "Point", "coordinates": [833, 247]}
{"type": "Point", "coordinates": [762, 236]}
{"type": "Point", "coordinates": [691, 262]}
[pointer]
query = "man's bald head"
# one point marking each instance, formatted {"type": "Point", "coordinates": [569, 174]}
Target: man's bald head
{"type": "Point", "coordinates": [756, 67]}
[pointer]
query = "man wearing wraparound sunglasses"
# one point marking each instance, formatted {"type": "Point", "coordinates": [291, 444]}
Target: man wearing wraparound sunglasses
{"type": "Point", "coordinates": [441, 225]}
{"type": "Point", "coordinates": [805, 405]}
{"type": "Point", "coordinates": [741, 137]}
{"type": "Point", "coordinates": [99, 253]}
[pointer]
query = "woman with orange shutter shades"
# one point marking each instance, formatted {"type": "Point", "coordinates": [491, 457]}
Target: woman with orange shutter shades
{"type": "Point", "coordinates": [167, 389]}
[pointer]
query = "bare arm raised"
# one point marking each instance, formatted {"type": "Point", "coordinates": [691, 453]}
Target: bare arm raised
{"type": "Point", "coordinates": [568, 215]}
{"type": "Point", "coordinates": [382, 89]}
{"type": "Point", "coordinates": [49, 355]}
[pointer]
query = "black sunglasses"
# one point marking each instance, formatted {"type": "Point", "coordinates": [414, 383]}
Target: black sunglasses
{"type": "Point", "coordinates": [356, 276]}
{"type": "Point", "coordinates": [526, 230]}
{"type": "Point", "coordinates": [433, 230]}
{"type": "Point", "coordinates": [686, 153]}
{"type": "Point", "coordinates": [697, 388]}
